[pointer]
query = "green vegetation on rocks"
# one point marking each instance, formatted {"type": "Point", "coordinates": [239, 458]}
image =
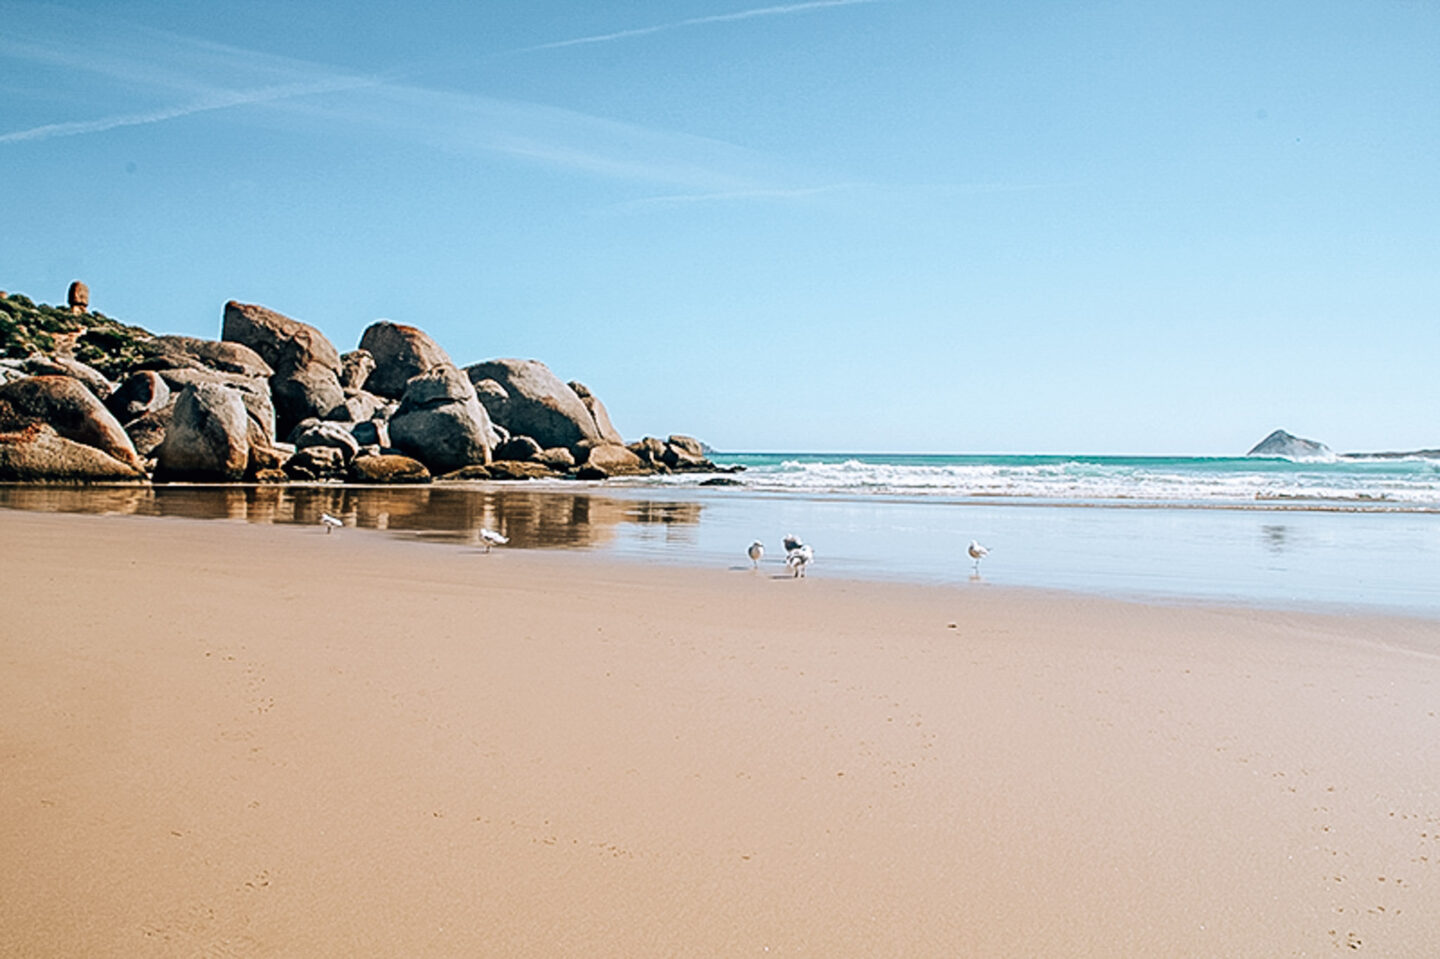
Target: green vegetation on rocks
{"type": "Point", "coordinates": [108, 345]}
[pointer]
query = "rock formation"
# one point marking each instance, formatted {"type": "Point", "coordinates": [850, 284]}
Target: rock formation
{"type": "Point", "coordinates": [1281, 443]}
{"type": "Point", "coordinates": [85, 398]}
{"type": "Point", "coordinates": [400, 352]}
{"type": "Point", "coordinates": [441, 423]}
{"type": "Point", "coordinates": [71, 410]}
{"type": "Point", "coordinates": [78, 297]}
{"type": "Point", "coordinates": [208, 437]}
{"type": "Point", "coordinates": [306, 381]}
{"type": "Point", "coordinates": [537, 404]}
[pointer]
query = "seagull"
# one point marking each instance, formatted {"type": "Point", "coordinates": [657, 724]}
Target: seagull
{"type": "Point", "coordinates": [977, 553]}
{"type": "Point", "coordinates": [330, 523]}
{"type": "Point", "coordinates": [798, 558]}
{"type": "Point", "coordinates": [491, 538]}
{"type": "Point", "coordinates": [792, 542]}
{"type": "Point", "coordinates": [756, 550]}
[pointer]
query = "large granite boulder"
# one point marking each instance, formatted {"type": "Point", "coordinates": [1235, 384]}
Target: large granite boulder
{"type": "Point", "coordinates": [598, 413]}
{"type": "Point", "coordinates": [441, 423]}
{"type": "Point", "coordinates": [1281, 443]}
{"type": "Point", "coordinates": [254, 392]}
{"type": "Point", "coordinates": [538, 404]}
{"type": "Point", "coordinates": [38, 454]}
{"type": "Point", "coordinates": [208, 438]}
{"type": "Point", "coordinates": [139, 393]}
{"type": "Point", "coordinates": [306, 381]}
{"type": "Point", "coordinates": [70, 409]}
{"type": "Point", "coordinates": [400, 352]}
{"type": "Point", "coordinates": [517, 448]}
{"type": "Point", "coordinates": [219, 355]}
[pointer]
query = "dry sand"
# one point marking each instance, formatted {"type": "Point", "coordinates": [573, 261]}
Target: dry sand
{"type": "Point", "coordinates": [229, 740]}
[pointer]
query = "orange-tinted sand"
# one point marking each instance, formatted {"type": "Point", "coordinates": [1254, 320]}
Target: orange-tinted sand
{"type": "Point", "coordinates": [229, 740]}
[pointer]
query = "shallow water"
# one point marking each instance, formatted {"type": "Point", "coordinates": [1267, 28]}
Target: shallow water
{"type": "Point", "coordinates": [1281, 557]}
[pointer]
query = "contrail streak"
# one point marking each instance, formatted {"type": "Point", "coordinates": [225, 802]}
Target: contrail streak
{"type": "Point", "coordinates": [219, 101]}
{"type": "Point", "coordinates": [694, 21]}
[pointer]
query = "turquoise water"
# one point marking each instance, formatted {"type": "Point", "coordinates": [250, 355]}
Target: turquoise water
{"type": "Point", "coordinates": [1341, 483]}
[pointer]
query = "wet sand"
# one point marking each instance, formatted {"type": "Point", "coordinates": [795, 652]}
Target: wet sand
{"type": "Point", "coordinates": [227, 739]}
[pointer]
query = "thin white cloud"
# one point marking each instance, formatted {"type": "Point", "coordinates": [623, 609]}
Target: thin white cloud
{"type": "Point", "coordinates": [778, 11]}
{"type": "Point", "coordinates": [219, 101]}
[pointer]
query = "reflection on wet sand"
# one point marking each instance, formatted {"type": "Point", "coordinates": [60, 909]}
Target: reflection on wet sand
{"type": "Point", "coordinates": [532, 519]}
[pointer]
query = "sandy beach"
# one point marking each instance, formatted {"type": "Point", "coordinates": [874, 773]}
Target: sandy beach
{"type": "Point", "coordinates": [221, 739]}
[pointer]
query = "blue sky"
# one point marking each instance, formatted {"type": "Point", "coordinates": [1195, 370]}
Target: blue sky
{"type": "Point", "coordinates": [864, 225]}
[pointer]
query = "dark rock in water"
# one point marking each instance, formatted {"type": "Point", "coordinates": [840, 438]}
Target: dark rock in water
{"type": "Point", "coordinates": [388, 468]}
{"type": "Point", "coordinates": [355, 368]}
{"type": "Point", "coordinates": [70, 409]}
{"type": "Point", "coordinates": [1281, 443]}
{"type": "Point", "coordinates": [400, 352]}
{"type": "Point", "coordinates": [38, 454]}
{"type": "Point", "coordinates": [441, 423]}
{"type": "Point", "coordinates": [518, 448]}
{"type": "Point", "coordinates": [721, 481]}
{"type": "Point", "coordinates": [306, 381]}
{"type": "Point", "coordinates": [588, 472]}
{"type": "Point", "coordinates": [138, 394]}
{"type": "Point", "coordinates": [208, 438]}
{"type": "Point", "coordinates": [538, 404]}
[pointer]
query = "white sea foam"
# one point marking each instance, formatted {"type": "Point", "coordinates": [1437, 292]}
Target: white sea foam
{"type": "Point", "coordinates": [1410, 484]}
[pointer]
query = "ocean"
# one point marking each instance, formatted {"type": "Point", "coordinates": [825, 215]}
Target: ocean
{"type": "Point", "coordinates": [1341, 534]}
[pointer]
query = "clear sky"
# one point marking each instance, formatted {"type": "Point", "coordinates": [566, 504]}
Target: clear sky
{"type": "Point", "coordinates": [845, 225]}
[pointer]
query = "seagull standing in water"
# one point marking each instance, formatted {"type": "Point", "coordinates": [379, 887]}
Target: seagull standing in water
{"type": "Point", "coordinates": [977, 553]}
{"type": "Point", "coordinates": [330, 523]}
{"type": "Point", "coordinates": [756, 550]}
{"type": "Point", "coordinates": [491, 538]}
{"type": "Point", "coordinates": [798, 558]}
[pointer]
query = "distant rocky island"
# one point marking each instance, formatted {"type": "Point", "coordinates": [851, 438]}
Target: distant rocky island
{"type": "Point", "coordinates": [86, 398]}
{"type": "Point", "coordinates": [1290, 446]}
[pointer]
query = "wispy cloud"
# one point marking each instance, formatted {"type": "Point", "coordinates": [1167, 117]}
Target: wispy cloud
{"type": "Point", "coordinates": [218, 101]}
{"type": "Point", "coordinates": [776, 11]}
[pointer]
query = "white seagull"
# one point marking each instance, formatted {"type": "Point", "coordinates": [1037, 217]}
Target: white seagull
{"type": "Point", "coordinates": [756, 550]}
{"type": "Point", "coordinates": [330, 523]}
{"type": "Point", "coordinates": [977, 553]}
{"type": "Point", "coordinates": [491, 538]}
{"type": "Point", "coordinates": [798, 558]}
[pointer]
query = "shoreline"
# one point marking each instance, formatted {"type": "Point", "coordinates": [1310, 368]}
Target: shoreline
{"type": "Point", "coordinates": [1288, 560]}
{"type": "Point", "coordinates": [238, 739]}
